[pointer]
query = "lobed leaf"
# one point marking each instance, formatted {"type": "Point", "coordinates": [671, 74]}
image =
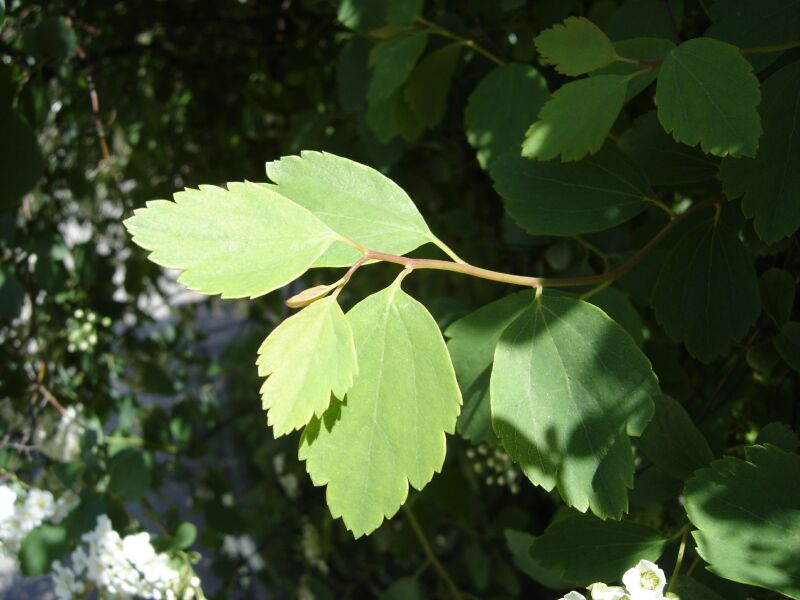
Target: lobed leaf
{"type": "Point", "coordinates": [389, 431]}
{"type": "Point", "coordinates": [665, 161]}
{"type": "Point", "coordinates": [747, 515]}
{"type": "Point", "coordinates": [576, 119]}
{"type": "Point", "coordinates": [243, 241]}
{"type": "Point", "coordinates": [770, 183]}
{"type": "Point", "coordinates": [306, 358]}
{"type": "Point", "coordinates": [353, 199]}
{"type": "Point", "coordinates": [707, 292]}
{"type": "Point", "coordinates": [707, 94]}
{"type": "Point", "coordinates": [552, 198]}
{"type": "Point", "coordinates": [573, 545]}
{"type": "Point", "coordinates": [575, 47]}
{"type": "Point", "coordinates": [672, 441]}
{"type": "Point", "coordinates": [568, 387]}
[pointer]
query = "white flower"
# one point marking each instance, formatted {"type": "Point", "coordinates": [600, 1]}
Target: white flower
{"type": "Point", "coordinates": [138, 549]}
{"type": "Point", "coordinates": [645, 581]}
{"type": "Point", "coordinates": [40, 504]}
{"type": "Point", "coordinates": [573, 596]}
{"type": "Point", "coordinates": [64, 505]}
{"type": "Point", "coordinates": [7, 499]}
{"type": "Point", "coordinates": [601, 591]}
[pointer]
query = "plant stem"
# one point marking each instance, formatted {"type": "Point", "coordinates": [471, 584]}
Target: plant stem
{"type": "Point", "coordinates": [679, 559]}
{"type": "Point", "coordinates": [770, 49]}
{"type": "Point", "coordinates": [426, 547]}
{"type": "Point", "coordinates": [470, 43]}
{"type": "Point", "coordinates": [538, 282]}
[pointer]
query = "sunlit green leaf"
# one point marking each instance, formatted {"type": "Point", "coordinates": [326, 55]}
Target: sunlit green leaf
{"type": "Point", "coordinates": [389, 431]}
{"type": "Point", "coordinates": [573, 547]}
{"type": "Point", "coordinates": [354, 200]}
{"type": "Point", "coordinates": [707, 292]}
{"type": "Point", "coordinates": [501, 108]}
{"type": "Point", "coordinates": [555, 198]}
{"type": "Point", "coordinates": [568, 387]}
{"type": "Point", "coordinates": [308, 357]}
{"type": "Point", "coordinates": [575, 47]}
{"type": "Point", "coordinates": [576, 119]}
{"type": "Point", "coordinates": [243, 241]}
{"type": "Point", "coordinates": [747, 516]}
{"type": "Point", "coordinates": [770, 183]}
{"type": "Point", "coordinates": [707, 94]}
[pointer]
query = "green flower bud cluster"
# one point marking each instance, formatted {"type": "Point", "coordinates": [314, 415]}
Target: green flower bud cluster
{"type": "Point", "coordinates": [82, 329]}
{"type": "Point", "coordinates": [496, 465]}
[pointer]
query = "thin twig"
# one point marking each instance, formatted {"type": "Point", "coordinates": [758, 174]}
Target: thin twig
{"type": "Point", "coordinates": [426, 547]}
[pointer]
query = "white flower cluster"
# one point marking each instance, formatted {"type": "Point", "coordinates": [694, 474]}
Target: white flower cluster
{"type": "Point", "coordinates": [22, 511]}
{"type": "Point", "coordinates": [496, 465]}
{"type": "Point", "coordinates": [121, 568]}
{"type": "Point", "coordinates": [645, 581]}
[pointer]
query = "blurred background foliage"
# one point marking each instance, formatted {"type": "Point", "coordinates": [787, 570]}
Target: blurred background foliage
{"type": "Point", "coordinates": [104, 105]}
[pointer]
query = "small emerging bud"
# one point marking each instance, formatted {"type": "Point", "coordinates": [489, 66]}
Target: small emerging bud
{"type": "Point", "coordinates": [310, 295]}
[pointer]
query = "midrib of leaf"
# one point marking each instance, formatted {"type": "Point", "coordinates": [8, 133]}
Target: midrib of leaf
{"type": "Point", "coordinates": [703, 87]}
{"type": "Point", "coordinates": [593, 188]}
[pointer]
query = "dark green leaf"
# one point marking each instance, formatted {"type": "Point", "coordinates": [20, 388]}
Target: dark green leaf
{"type": "Point", "coordinates": [554, 198]}
{"type": "Point", "coordinates": [52, 38]}
{"type": "Point", "coordinates": [707, 94]}
{"type": "Point", "coordinates": [406, 588]}
{"type": "Point", "coordinates": [576, 119]}
{"type": "Point", "coordinates": [362, 15]}
{"type": "Point", "coordinates": [429, 83]}
{"type": "Point", "coordinates": [618, 306]}
{"type": "Point", "coordinates": [21, 161]}
{"type": "Point", "coordinates": [690, 589]}
{"type": "Point", "coordinates": [746, 24]}
{"type": "Point", "coordinates": [665, 161]}
{"type": "Point", "coordinates": [501, 108]}
{"type": "Point", "coordinates": [779, 434]}
{"type": "Point", "coordinates": [707, 292]}
{"type": "Point", "coordinates": [673, 442]}
{"type": "Point", "coordinates": [403, 12]}
{"type": "Point", "coordinates": [770, 183]}
{"type": "Point", "coordinates": [746, 513]}
{"type": "Point", "coordinates": [519, 544]}
{"type": "Point", "coordinates": [12, 294]}
{"type": "Point", "coordinates": [395, 59]}
{"type": "Point", "coordinates": [568, 387]}
{"type": "Point", "coordinates": [787, 343]}
{"type": "Point", "coordinates": [645, 18]}
{"type": "Point", "coordinates": [130, 473]}
{"type": "Point", "coordinates": [777, 289]}
{"type": "Point", "coordinates": [573, 546]}
{"type": "Point", "coordinates": [353, 73]}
